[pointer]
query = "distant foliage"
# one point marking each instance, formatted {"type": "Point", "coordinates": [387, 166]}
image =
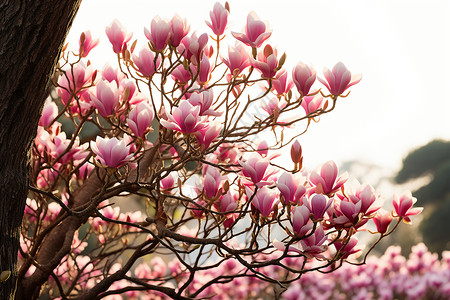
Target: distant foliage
{"type": "Point", "coordinates": [424, 160]}
{"type": "Point", "coordinates": [433, 160]}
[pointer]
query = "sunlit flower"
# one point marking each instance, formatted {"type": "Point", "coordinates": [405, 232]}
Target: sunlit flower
{"type": "Point", "coordinates": [111, 153]}
{"type": "Point", "coordinates": [339, 79]}
{"type": "Point", "coordinates": [255, 32]}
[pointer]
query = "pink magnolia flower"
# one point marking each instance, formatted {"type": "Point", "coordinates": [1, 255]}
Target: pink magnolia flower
{"type": "Point", "coordinates": [145, 62]}
{"type": "Point", "coordinates": [255, 32]}
{"type": "Point", "coordinates": [204, 100]}
{"type": "Point", "coordinates": [267, 62]}
{"type": "Point", "coordinates": [219, 19]}
{"type": "Point", "coordinates": [204, 71]}
{"type": "Point", "coordinates": [57, 145]}
{"type": "Point", "coordinates": [312, 103]}
{"type": "Point", "coordinates": [179, 29]}
{"type": "Point", "coordinates": [87, 43]}
{"type": "Point", "coordinates": [105, 97]}
{"type": "Point", "coordinates": [255, 167]}
{"type": "Point", "coordinates": [74, 82]}
{"type": "Point", "coordinates": [111, 153]}
{"type": "Point", "coordinates": [49, 113]}
{"type": "Point", "coordinates": [197, 210]}
{"type": "Point", "coordinates": [263, 200]}
{"type": "Point", "coordinates": [304, 78]}
{"type": "Point", "coordinates": [318, 204]}
{"type": "Point", "coordinates": [84, 171]}
{"type": "Point", "coordinates": [328, 180]}
{"type": "Point", "coordinates": [274, 106]}
{"type": "Point", "coordinates": [185, 118]}
{"type": "Point", "coordinates": [181, 75]}
{"type": "Point", "coordinates": [227, 202]}
{"type": "Point", "coordinates": [348, 249]}
{"type": "Point", "coordinates": [168, 182]}
{"type": "Point", "coordinates": [77, 245]}
{"type": "Point", "coordinates": [339, 79]}
{"type": "Point", "coordinates": [117, 35]}
{"type": "Point", "coordinates": [403, 206]}
{"type": "Point", "coordinates": [212, 180]}
{"type": "Point", "coordinates": [301, 223]}
{"type": "Point", "coordinates": [110, 74]}
{"type": "Point", "coordinates": [370, 201]}
{"type": "Point", "coordinates": [382, 220]}
{"type": "Point", "coordinates": [47, 177]}
{"type": "Point", "coordinates": [281, 84]}
{"type": "Point", "coordinates": [140, 119]}
{"type": "Point", "coordinates": [192, 47]}
{"type": "Point", "coordinates": [130, 217]}
{"type": "Point", "coordinates": [109, 212]}
{"type": "Point", "coordinates": [43, 136]}
{"type": "Point", "coordinates": [136, 98]}
{"type": "Point", "coordinates": [129, 141]}
{"type": "Point", "coordinates": [208, 134]}
{"type": "Point", "coordinates": [291, 187]}
{"type": "Point", "coordinates": [238, 59]}
{"type": "Point", "coordinates": [159, 33]}
{"type": "Point", "coordinates": [208, 51]}
{"type": "Point", "coordinates": [347, 213]}
{"type": "Point", "coordinates": [313, 245]}
{"type": "Point", "coordinates": [227, 153]}
{"type": "Point", "coordinates": [128, 89]}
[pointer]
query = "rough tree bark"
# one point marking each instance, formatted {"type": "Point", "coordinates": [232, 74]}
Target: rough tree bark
{"type": "Point", "coordinates": [32, 33]}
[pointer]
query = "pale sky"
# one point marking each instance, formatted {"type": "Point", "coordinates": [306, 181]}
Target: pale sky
{"type": "Point", "coordinates": [400, 47]}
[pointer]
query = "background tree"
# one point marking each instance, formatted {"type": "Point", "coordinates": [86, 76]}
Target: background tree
{"type": "Point", "coordinates": [431, 160]}
{"type": "Point", "coordinates": [31, 37]}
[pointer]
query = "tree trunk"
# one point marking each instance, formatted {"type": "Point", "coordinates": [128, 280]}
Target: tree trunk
{"type": "Point", "coordinates": [32, 33]}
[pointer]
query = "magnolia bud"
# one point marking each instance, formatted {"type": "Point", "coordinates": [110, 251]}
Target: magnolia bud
{"type": "Point", "coordinates": [296, 152]}
{"type": "Point", "coordinates": [289, 95]}
{"type": "Point", "coordinates": [226, 186]}
{"type": "Point", "coordinates": [5, 276]}
{"type": "Point", "coordinates": [94, 75]}
{"type": "Point", "coordinates": [133, 46]}
{"type": "Point", "coordinates": [282, 60]}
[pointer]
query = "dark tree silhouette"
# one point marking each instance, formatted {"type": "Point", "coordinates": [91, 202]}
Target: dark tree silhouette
{"type": "Point", "coordinates": [432, 159]}
{"type": "Point", "coordinates": [424, 160]}
{"type": "Point", "coordinates": [31, 37]}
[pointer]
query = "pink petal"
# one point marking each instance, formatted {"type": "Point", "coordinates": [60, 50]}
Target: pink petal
{"type": "Point", "coordinates": [241, 37]}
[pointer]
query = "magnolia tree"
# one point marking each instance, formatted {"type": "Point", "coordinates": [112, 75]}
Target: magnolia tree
{"type": "Point", "coordinates": [216, 206]}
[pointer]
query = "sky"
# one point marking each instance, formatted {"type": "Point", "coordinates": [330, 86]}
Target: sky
{"type": "Point", "coordinates": [400, 47]}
